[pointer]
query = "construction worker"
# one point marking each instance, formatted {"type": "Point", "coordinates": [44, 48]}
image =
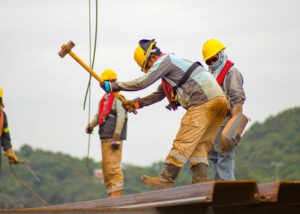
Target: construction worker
{"type": "Point", "coordinates": [231, 81]}
{"type": "Point", "coordinates": [5, 141]}
{"type": "Point", "coordinates": [189, 85]}
{"type": "Point", "coordinates": [112, 120]}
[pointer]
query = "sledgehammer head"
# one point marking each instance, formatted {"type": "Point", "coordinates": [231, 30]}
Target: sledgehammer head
{"type": "Point", "coordinates": [65, 49]}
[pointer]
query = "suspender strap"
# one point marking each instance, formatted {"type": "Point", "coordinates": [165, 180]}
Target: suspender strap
{"type": "Point", "coordinates": [187, 74]}
{"type": "Point", "coordinates": [223, 73]}
{"type": "Point", "coordinates": [104, 110]}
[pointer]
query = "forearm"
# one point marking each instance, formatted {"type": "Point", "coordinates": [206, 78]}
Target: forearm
{"type": "Point", "coordinates": [151, 99]}
{"type": "Point", "coordinates": [6, 143]}
{"type": "Point", "coordinates": [95, 120]}
{"type": "Point", "coordinates": [235, 89]}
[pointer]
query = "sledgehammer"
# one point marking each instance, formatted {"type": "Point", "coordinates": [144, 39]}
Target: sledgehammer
{"type": "Point", "coordinates": [66, 49]}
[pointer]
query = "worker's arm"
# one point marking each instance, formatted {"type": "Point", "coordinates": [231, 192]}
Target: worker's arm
{"type": "Point", "coordinates": [138, 103]}
{"type": "Point", "coordinates": [121, 117]}
{"type": "Point", "coordinates": [159, 69]}
{"type": "Point", "coordinates": [6, 141]}
{"type": "Point", "coordinates": [235, 91]}
{"type": "Point", "coordinates": [155, 97]}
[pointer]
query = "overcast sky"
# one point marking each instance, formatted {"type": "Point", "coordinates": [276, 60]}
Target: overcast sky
{"type": "Point", "coordinates": [43, 93]}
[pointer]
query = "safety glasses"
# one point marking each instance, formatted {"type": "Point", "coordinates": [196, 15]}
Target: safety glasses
{"type": "Point", "coordinates": [212, 60]}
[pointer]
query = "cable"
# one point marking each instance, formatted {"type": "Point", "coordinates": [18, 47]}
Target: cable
{"type": "Point", "coordinates": [27, 187]}
{"type": "Point", "coordinates": [94, 54]}
{"type": "Point", "coordinates": [88, 90]}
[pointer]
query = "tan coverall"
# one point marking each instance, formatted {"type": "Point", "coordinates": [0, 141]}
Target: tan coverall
{"type": "Point", "coordinates": [111, 159]}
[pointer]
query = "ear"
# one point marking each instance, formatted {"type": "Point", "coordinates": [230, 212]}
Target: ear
{"type": "Point", "coordinates": [154, 57]}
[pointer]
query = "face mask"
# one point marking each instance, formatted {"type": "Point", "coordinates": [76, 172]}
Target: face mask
{"type": "Point", "coordinates": [217, 63]}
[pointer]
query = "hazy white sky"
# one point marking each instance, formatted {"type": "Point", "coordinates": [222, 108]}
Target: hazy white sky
{"type": "Point", "coordinates": [44, 94]}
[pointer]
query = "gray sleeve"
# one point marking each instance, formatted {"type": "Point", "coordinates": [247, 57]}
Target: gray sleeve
{"type": "Point", "coordinates": [158, 70]}
{"type": "Point", "coordinates": [121, 116]}
{"type": "Point", "coordinates": [234, 87]}
{"type": "Point", "coordinates": [156, 96]}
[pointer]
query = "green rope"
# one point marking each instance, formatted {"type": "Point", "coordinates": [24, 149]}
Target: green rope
{"type": "Point", "coordinates": [94, 54]}
{"type": "Point", "coordinates": [88, 90]}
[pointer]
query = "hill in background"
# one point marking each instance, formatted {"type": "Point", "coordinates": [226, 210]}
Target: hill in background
{"type": "Point", "coordinates": [66, 179]}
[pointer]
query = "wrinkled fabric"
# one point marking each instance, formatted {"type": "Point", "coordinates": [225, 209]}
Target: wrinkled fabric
{"type": "Point", "coordinates": [234, 91]}
{"type": "Point", "coordinates": [111, 166]}
{"type": "Point", "coordinates": [217, 67]}
{"type": "Point", "coordinates": [198, 129]}
{"type": "Point", "coordinates": [223, 164]}
{"type": "Point", "coordinates": [120, 126]}
{"type": "Point", "coordinates": [199, 88]}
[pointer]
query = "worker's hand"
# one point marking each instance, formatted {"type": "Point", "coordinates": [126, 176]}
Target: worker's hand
{"type": "Point", "coordinates": [89, 129]}
{"type": "Point", "coordinates": [237, 109]}
{"type": "Point", "coordinates": [116, 136]}
{"type": "Point", "coordinates": [138, 103]}
{"type": "Point", "coordinates": [109, 86]}
{"type": "Point", "coordinates": [115, 145]}
{"type": "Point", "coordinates": [11, 156]}
{"type": "Point", "coordinates": [131, 105]}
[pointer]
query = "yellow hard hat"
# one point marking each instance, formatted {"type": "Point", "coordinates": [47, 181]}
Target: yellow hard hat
{"type": "Point", "coordinates": [108, 74]}
{"type": "Point", "coordinates": [142, 52]}
{"type": "Point", "coordinates": [1, 92]}
{"type": "Point", "coordinates": [211, 48]}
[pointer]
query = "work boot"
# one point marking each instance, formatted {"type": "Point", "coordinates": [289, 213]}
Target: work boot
{"type": "Point", "coordinates": [199, 173]}
{"type": "Point", "coordinates": [165, 179]}
{"type": "Point", "coordinates": [115, 194]}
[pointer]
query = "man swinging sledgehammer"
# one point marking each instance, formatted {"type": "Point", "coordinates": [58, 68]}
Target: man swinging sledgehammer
{"type": "Point", "coordinates": [189, 85]}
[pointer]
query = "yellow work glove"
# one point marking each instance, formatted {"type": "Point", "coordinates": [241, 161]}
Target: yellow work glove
{"type": "Point", "coordinates": [129, 106]}
{"type": "Point", "coordinates": [11, 156]}
{"type": "Point", "coordinates": [237, 108]}
{"type": "Point", "coordinates": [89, 129]}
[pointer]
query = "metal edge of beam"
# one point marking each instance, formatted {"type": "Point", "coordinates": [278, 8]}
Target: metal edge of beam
{"type": "Point", "coordinates": [211, 190]}
{"type": "Point", "coordinates": [227, 193]}
{"type": "Point", "coordinates": [182, 192]}
{"type": "Point", "coordinates": [280, 192]}
{"type": "Point", "coordinates": [177, 202]}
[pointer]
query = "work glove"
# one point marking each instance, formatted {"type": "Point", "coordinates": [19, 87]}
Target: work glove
{"type": "Point", "coordinates": [109, 86]}
{"type": "Point", "coordinates": [115, 145]}
{"type": "Point", "coordinates": [11, 156]}
{"type": "Point", "coordinates": [131, 105]}
{"type": "Point", "coordinates": [237, 109]}
{"type": "Point", "coordinates": [89, 129]}
{"type": "Point", "coordinates": [128, 105]}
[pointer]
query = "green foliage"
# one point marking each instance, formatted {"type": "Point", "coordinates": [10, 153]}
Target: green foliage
{"type": "Point", "coordinates": [66, 179]}
{"type": "Point", "coordinates": [275, 140]}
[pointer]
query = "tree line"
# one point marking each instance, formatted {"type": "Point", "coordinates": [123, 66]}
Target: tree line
{"type": "Point", "coordinates": [65, 179]}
